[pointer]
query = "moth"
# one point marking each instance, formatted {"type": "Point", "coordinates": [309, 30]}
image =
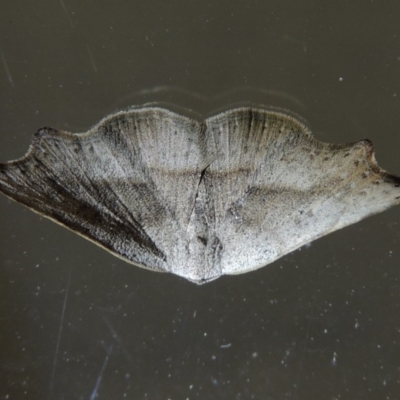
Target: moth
{"type": "Point", "coordinates": [199, 199]}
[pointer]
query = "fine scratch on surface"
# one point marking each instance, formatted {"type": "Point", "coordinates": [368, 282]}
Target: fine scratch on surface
{"type": "Point", "coordinates": [117, 338]}
{"type": "Point", "coordinates": [91, 58]}
{"type": "Point", "coordinates": [66, 13]}
{"type": "Point", "coordinates": [100, 377]}
{"type": "Point", "coordinates": [53, 372]}
{"type": "Point", "coordinates": [224, 196]}
{"type": "Point", "coordinates": [10, 79]}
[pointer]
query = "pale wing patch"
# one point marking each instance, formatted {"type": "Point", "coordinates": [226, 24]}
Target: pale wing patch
{"type": "Point", "coordinates": [228, 196]}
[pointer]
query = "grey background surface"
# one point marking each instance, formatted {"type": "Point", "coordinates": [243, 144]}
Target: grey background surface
{"type": "Point", "coordinates": [321, 323]}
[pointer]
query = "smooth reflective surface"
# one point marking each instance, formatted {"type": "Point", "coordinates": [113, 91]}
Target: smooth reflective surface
{"type": "Point", "coordinates": [323, 322]}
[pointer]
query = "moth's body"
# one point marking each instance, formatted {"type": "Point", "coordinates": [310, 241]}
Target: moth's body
{"type": "Point", "coordinates": [200, 200]}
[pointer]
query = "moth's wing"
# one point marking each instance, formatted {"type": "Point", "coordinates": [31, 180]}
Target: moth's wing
{"type": "Point", "coordinates": [276, 188]}
{"type": "Point", "coordinates": [128, 184]}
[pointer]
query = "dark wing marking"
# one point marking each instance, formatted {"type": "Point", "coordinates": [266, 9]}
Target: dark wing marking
{"type": "Point", "coordinates": [109, 184]}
